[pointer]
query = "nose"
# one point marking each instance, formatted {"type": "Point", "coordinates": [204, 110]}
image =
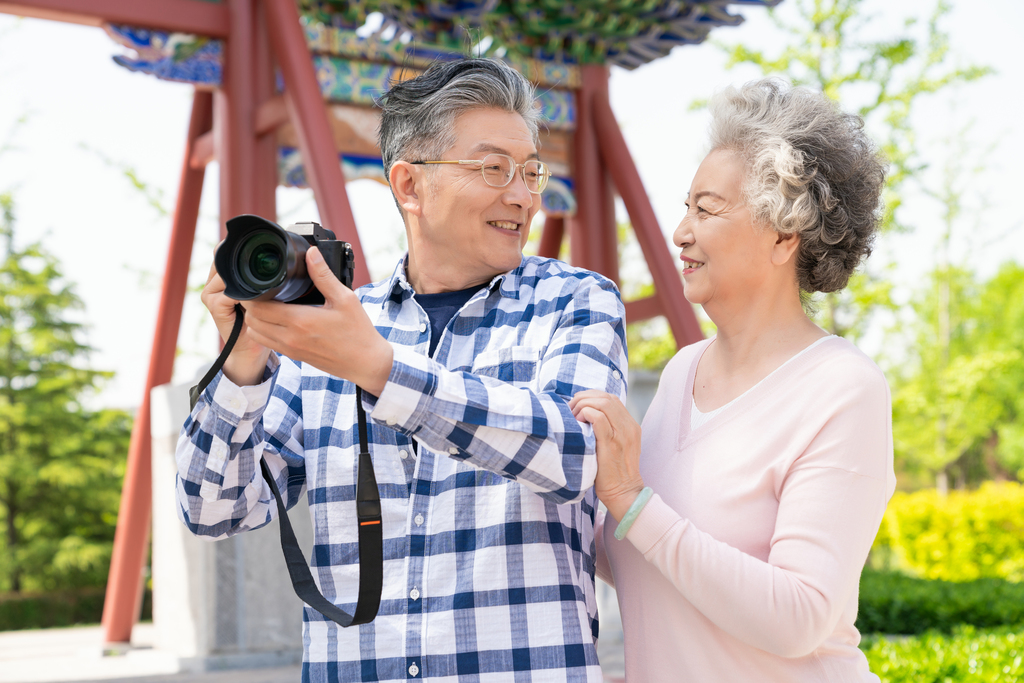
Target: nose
{"type": "Point", "coordinates": [517, 194]}
{"type": "Point", "coordinates": [682, 237]}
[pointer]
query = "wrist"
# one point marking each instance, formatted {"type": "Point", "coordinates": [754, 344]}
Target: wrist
{"type": "Point", "coordinates": [619, 501]}
{"type": "Point", "coordinates": [246, 369]}
{"type": "Point", "coordinates": [380, 369]}
{"type": "Point", "coordinates": [631, 514]}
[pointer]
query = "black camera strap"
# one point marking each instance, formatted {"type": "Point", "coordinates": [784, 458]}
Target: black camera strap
{"type": "Point", "coordinates": [368, 516]}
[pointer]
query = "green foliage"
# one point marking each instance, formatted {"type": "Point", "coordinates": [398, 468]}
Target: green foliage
{"type": "Point", "coordinates": [960, 537]}
{"type": "Point", "coordinates": [959, 399]}
{"type": "Point", "coordinates": [968, 654]}
{"type": "Point", "coordinates": [20, 611]}
{"type": "Point", "coordinates": [891, 602]}
{"type": "Point", "coordinates": [61, 465]}
{"type": "Point", "coordinates": [1000, 329]}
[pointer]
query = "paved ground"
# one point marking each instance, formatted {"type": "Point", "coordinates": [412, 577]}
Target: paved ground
{"type": "Point", "coordinates": [75, 654]}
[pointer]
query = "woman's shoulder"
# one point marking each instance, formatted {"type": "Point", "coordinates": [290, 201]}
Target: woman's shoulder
{"type": "Point", "coordinates": [838, 360]}
{"type": "Point", "coordinates": [837, 374]}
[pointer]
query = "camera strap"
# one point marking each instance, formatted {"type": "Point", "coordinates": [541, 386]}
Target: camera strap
{"type": "Point", "coordinates": [368, 516]}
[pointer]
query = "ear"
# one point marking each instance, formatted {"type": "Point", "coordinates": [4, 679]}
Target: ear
{"type": "Point", "coordinates": [785, 247]}
{"type": "Point", "coordinates": [408, 183]}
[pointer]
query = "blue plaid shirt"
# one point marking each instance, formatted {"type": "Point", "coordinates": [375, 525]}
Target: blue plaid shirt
{"type": "Point", "coordinates": [488, 524]}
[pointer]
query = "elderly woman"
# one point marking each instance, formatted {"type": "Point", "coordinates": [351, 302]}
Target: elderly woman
{"type": "Point", "coordinates": [739, 523]}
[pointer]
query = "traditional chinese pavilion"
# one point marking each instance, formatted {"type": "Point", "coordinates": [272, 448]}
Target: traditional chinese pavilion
{"type": "Point", "coordinates": [285, 89]}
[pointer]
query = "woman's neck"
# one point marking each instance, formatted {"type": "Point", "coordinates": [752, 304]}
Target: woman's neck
{"type": "Point", "coordinates": [750, 344]}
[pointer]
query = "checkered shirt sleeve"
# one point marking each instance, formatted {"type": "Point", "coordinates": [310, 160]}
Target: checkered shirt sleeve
{"type": "Point", "coordinates": [485, 478]}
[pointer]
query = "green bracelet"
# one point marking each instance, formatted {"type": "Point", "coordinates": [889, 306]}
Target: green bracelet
{"type": "Point", "coordinates": [633, 512]}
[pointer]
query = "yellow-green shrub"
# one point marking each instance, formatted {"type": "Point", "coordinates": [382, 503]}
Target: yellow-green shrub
{"type": "Point", "coordinates": [963, 536]}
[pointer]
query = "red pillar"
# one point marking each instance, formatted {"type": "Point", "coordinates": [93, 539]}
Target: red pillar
{"type": "Point", "coordinates": [668, 287]}
{"type": "Point", "coordinates": [121, 607]}
{"type": "Point", "coordinates": [551, 237]}
{"type": "Point", "coordinates": [234, 116]}
{"type": "Point", "coordinates": [265, 145]}
{"type": "Point", "coordinates": [309, 115]}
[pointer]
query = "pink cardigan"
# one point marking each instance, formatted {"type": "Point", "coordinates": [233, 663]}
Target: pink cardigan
{"type": "Point", "coordinates": [745, 564]}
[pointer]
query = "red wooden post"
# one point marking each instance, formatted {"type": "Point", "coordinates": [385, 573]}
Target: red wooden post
{"type": "Point", "coordinates": [551, 237]}
{"type": "Point", "coordinates": [120, 607]}
{"type": "Point", "coordinates": [668, 286]}
{"type": "Point", "coordinates": [234, 111]}
{"type": "Point", "coordinates": [593, 243]}
{"type": "Point", "coordinates": [308, 113]}
{"type": "Point", "coordinates": [265, 153]}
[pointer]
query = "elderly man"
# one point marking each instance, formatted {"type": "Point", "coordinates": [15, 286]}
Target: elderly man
{"type": "Point", "coordinates": [467, 356]}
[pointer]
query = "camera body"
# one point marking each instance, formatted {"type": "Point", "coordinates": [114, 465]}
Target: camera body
{"type": "Point", "coordinates": [260, 260]}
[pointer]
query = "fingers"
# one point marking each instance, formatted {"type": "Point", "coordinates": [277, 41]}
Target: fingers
{"type": "Point", "coordinates": [324, 279]}
{"type": "Point", "coordinates": [588, 393]}
{"type": "Point", "coordinates": [599, 400]}
{"type": "Point", "coordinates": [603, 428]}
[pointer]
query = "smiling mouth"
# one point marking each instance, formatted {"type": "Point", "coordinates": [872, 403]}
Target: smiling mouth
{"type": "Point", "coordinates": [505, 225]}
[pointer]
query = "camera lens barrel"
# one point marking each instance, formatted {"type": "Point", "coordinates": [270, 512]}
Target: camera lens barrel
{"type": "Point", "coordinates": [261, 260]}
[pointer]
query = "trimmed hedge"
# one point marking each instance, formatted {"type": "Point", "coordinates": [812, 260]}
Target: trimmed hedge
{"type": "Point", "coordinates": [895, 603]}
{"type": "Point", "coordinates": [966, 655]}
{"type": "Point", "coordinates": [20, 611]}
{"type": "Point", "coordinates": [964, 536]}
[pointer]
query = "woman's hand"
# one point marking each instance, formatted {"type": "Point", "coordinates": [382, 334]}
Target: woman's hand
{"type": "Point", "coordinates": [618, 448]}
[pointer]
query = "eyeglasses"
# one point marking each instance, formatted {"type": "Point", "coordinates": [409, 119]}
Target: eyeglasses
{"type": "Point", "coordinates": [499, 169]}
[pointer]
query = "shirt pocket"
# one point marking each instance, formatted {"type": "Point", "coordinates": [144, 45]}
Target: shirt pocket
{"type": "Point", "coordinates": [516, 365]}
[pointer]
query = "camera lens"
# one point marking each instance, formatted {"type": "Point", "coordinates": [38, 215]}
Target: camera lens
{"type": "Point", "coordinates": [261, 260]}
{"type": "Point", "coordinates": [265, 261]}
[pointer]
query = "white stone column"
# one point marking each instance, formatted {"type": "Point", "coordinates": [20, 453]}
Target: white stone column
{"type": "Point", "coordinates": [217, 604]}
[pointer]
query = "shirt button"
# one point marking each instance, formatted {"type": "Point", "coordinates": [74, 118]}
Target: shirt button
{"type": "Point", "coordinates": [453, 450]}
{"type": "Point", "coordinates": [616, 374]}
{"type": "Point", "coordinates": [423, 327]}
{"type": "Point", "coordinates": [391, 421]}
{"type": "Point", "coordinates": [403, 454]}
{"type": "Point", "coordinates": [414, 670]}
{"type": "Point", "coordinates": [414, 594]}
{"type": "Point", "coordinates": [418, 520]}
{"type": "Point", "coordinates": [235, 403]}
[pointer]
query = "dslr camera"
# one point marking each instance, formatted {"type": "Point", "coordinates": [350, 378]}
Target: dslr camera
{"type": "Point", "coordinates": [261, 260]}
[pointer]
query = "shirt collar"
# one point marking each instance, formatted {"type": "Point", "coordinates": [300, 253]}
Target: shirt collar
{"type": "Point", "coordinates": [399, 289]}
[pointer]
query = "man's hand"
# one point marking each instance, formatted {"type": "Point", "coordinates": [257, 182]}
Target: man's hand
{"type": "Point", "coordinates": [337, 338]}
{"type": "Point", "coordinates": [248, 359]}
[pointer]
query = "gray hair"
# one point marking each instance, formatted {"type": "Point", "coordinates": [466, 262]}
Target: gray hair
{"type": "Point", "coordinates": [811, 171]}
{"type": "Point", "coordinates": [418, 117]}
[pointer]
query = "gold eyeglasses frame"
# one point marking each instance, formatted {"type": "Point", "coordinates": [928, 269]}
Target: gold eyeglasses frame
{"type": "Point", "coordinates": [542, 180]}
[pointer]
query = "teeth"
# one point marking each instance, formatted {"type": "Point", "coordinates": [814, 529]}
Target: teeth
{"type": "Point", "coordinates": [504, 225]}
{"type": "Point", "coordinates": [694, 266]}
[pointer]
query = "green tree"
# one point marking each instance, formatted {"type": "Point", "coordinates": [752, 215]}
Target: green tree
{"type": "Point", "coordinates": [1000, 328]}
{"type": "Point", "coordinates": [946, 405]}
{"type": "Point", "coordinates": [882, 80]}
{"type": "Point", "coordinates": [61, 465]}
{"type": "Point", "coordinates": [957, 403]}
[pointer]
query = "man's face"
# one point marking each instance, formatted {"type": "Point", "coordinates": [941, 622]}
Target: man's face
{"type": "Point", "coordinates": [469, 231]}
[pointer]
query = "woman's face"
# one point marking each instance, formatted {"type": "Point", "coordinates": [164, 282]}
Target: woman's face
{"type": "Point", "coordinates": [724, 254]}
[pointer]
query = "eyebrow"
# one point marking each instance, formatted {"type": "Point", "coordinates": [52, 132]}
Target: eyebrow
{"type": "Point", "coordinates": [488, 147]}
{"type": "Point", "coordinates": [705, 193]}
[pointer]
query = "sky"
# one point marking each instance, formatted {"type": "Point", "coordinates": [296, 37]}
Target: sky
{"type": "Point", "coordinates": [86, 120]}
